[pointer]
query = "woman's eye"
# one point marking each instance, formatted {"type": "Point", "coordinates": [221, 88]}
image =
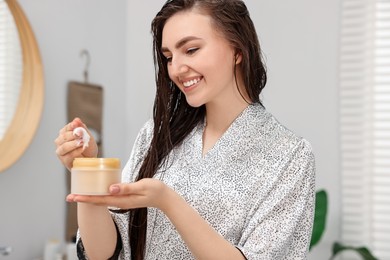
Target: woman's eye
{"type": "Point", "coordinates": [192, 50]}
{"type": "Point", "coordinates": [168, 59]}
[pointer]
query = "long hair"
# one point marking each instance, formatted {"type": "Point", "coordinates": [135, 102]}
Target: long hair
{"type": "Point", "coordinates": [173, 117]}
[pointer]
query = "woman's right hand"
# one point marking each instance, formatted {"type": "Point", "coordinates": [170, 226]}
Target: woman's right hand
{"type": "Point", "coordinates": [69, 147]}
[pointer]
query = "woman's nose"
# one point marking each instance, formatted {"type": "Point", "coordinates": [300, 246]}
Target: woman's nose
{"type": "Point", "coordinates": [178, 67]}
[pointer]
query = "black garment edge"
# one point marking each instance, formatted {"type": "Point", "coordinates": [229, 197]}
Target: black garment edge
{"type": "Point", "coordinates": [81, 250]}
{"type": "Point", "coordinates": [242, 253]}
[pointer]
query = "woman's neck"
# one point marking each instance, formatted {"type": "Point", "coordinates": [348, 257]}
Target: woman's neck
{"type": "Point", "coordinates": [218, 119]}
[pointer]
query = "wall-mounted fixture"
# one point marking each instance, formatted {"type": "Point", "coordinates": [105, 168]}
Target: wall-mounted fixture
{"type": "Point", "coordinates": [19, 130]}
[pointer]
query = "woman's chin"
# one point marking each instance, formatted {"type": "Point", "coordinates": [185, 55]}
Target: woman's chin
{"type": "Point", "coordinates": [194, 103]}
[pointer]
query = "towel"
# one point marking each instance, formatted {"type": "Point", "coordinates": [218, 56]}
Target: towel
{"type": "Point", "coordinates": [86, 102]}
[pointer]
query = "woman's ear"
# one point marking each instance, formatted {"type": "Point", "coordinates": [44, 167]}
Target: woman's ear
{"type": "Point", "coordinates": [238, 57]}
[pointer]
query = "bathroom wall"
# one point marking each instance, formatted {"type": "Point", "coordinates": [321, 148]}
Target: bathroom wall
{"type": "Point", "coordinates": [32, 192]}
{"type": "Point", "coordinates": [299, 40]}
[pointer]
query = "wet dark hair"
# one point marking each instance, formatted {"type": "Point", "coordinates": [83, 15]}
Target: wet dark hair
{"type": "Point", "coordinates": [173, 117]}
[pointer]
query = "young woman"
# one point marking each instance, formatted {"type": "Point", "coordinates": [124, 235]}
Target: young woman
{"type": "Point", "coordinates": [213, 175]}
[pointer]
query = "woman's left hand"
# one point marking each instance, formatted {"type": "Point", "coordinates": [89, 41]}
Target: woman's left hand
{"type": "Point", "coordinates": [147, 192]}
{"type": "Point", "coordinates": [200, 237]}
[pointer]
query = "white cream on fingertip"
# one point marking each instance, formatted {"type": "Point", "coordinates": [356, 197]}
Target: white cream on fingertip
{"type": "Point", "coordinates": [83, 136]}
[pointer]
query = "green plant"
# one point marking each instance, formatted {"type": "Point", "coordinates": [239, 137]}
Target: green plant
{"type": "Point", "coordinates": [320, 213]}
{"type": "Point", "coordinates": [321, 210]}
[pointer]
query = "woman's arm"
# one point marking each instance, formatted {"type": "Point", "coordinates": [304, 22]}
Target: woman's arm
{"type": "Point", "coordinates": [96, 226]}
{"type": "Point", "coordinates": [97, 231]}
{"type": "Point", "coordinates": [202, 240]}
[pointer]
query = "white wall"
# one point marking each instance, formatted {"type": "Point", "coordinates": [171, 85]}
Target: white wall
{"type": "Point", "coordinates": [299, 39]}
{"type": "Point", "coordinates": [32, 192]}
{"type": "Point", "coordinates": [140, 68]}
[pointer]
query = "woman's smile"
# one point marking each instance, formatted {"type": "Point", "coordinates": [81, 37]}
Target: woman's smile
{"type": "Point", "coordinates": [191, 84]}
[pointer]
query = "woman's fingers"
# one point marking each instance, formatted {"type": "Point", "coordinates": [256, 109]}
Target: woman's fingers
{"type": "Point", "coordinates": [134, 188]}
{"type": "Point", "coordinates": [123, 202]}
{"type": "Point", "coordinates": [143, 193]}
{"type": "Point", "coordinates": [70, 198]}
{"type": "Point", "coordinates": [68, 128]}
{"type": "Point", "coordinates": [66, 133]}
{"type": "Point", "coordinates": [64, 138]}
{"type": "Point", "coordinates": [69, 147]}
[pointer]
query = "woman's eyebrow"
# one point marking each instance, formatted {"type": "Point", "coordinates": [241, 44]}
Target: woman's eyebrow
{"type": "Point", "coordinates": [181, 43]}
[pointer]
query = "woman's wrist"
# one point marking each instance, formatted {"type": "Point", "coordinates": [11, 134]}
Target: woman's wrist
{"type": "Point", "coordinates": [92, 208]}
{"type": "Point", "coordinates": [168, 198]}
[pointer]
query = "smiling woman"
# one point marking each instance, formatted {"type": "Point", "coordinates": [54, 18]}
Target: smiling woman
{"type": "Point", "coordinates": [22, 93]}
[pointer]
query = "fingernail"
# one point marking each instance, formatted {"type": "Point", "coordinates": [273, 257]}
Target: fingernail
{"type": "Point", "coordinates": [69, 199]}
{"type": "Point", "coordinates": [114, 189]}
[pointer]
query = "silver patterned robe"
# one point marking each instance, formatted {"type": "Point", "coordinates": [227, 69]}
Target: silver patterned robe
{"type": "Point", "coordinates": [255, 187]}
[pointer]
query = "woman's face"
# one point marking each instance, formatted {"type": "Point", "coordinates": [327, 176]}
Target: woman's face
{"type": "Point", "coordinates": [200, 60]}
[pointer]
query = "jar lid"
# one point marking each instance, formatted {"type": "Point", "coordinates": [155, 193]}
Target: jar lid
{"type": "Point", "coordinates": [113, 163]}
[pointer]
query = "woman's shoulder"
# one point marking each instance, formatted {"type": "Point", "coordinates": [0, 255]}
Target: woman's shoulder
{"type": "Point", "coordinates": [277, 148]}
{"type": "Point", "coordinates": [269, 131]}
{"type": "Point", "coordinates": [143, 138]}
{"type": "Point", "coordinates": [146, 132]}
{"type": "Point", "coordinates": [147, 127]}
{"type": "Point", "coordinates": [138, 152]}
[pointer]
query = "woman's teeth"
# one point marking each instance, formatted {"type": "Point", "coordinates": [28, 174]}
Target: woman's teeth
{"type": "Point", "coordinates": [190, 82]}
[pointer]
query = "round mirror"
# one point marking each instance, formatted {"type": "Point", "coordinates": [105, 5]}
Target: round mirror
{"type": "Point", "coordinates": [21, 83]}
{"type": "Point", "coordinates": [10, 67]}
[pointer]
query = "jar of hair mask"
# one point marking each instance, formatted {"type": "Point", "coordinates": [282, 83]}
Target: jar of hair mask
{"type": "Point", "coordinates": [93, 176]}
